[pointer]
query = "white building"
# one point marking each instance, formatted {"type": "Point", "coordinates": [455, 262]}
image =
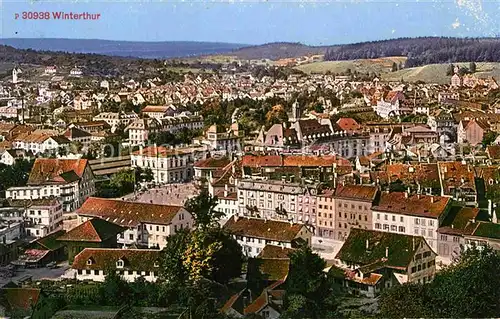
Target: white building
{"type": "Point", "coordinates": [268, 198]}
{"type": "Point", "coordinates": [169, 165]}
{"type": "Point", "coordinates": [254, 234]}
{"type": "Point", "coordinates": [140, 129]}
{"type": "Point", "coordinates": [227, 203]}
{"type": "Point", "coordinates": [130, 264]}
{"type": "Point", "coordinates": [116, 119]}
{"type": "Point", "coordinates": [220, 139]}
{"type": "Point", "coordinates": [70, 180]}
{"type": "Point", "coordinates": [417, 215]}
{"type": "Point", "coordinates": [148, 225]}
{"type": "Point", "coordinates": [43, 216]}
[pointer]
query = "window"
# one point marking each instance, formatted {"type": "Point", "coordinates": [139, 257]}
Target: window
{"type": "Point", "coordinates": [378, 216]}
{"type": "Point", "coordinates": [444, 238]}
{"type": "Point", "coordinates": [417, 221]}
{"type": "Point", "coordinates": [394, 228]}
{"type": "Point", "coordinates": [393, 218]}
{"type": "Point", "coordinates": [377, 225]}
{"type": "Point", "coordinates": [401, 219]}
{"type": "Point", "coordinates": [385, 217]}
{"type": "Point", "coordinates": [415, 231]}
{"type": "Point", "coordinates": [119, 264]}
{"type": "Point", "coordinates": [386, 227]}
{"type": "Point", "coordinates": [402, 229]}
{"type": "Point", "coordinates": [90, 261]}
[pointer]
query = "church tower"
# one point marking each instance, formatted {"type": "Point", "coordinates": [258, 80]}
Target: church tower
{"type": "Point", "coordinates": [295, 112]}
{"type": "Point", "coordinates": [14, 75]}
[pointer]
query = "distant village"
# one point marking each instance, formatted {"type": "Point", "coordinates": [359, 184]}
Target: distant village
{"type": "Point", "coordinates": [388, 182]}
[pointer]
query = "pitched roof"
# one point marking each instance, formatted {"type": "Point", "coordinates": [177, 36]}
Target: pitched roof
{"type": "Point", "coordinates": [56, 171]}
{"type": "Point", "coordinates": [21, 298]}
{"type": "Point", "coordinates": [276, 252]}
{"type": "Point", "coordinates": [493, 151]}
{"type": "Point", "coordinates": [212, 162]}
{"type": "Point", "coordinates": [348, 124]}
{"type": "Point", "coordinates": [50, 241]}
{"type": "Point", "coordinates": [265, 229]}
{"type": "Point", "coordinates": [459, 221]}
{"type": "Point", "coordinates": [356, 192]}
{"type": "Point", "coordinates": [415, 205]}
{"type": "Point", "coordinates": [487, 230]}
{"type": "Point", "coordinates": [270, 269]}
{"type": "Point", "coordinates": [128, 214]}
{"type": "Point", "coordinates": [94, 230]}
{"type": "Point", "coordinates": [75, 132]}
{"type": "Point", "coordinates": [106, 258]}
{"type": "Point", "coordinates": [401, 248]}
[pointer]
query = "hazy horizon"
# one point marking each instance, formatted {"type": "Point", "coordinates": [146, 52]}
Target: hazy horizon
{"type": "Point", "coordinates": [316, 23]}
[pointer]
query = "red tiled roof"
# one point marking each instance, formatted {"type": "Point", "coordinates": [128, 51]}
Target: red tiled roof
{"type": "Point", "coordinates": [276, 252]}
{"type": "Point", "coordinates": [21, 298]}
{"type": "Point", "coordinates": [95, 230]}
{"type": "Point", "coordinates": [416, 205]}
{"type": "Point", "coordinates": [265, 229]}
{"type": "Point", "coordinates": [128, 214]}
{"type": "Point", "coordinates": [261, 161]}
{"type": "Point", "coordinates": [212, 162]}
{"type": "Point", "coordinates": [356, 192]}
{"type": "Point", "coordinates": [493, 151]}
{"type": "Point", "coordinates": [106, 258]}
{"type": "Point", "coordinates": [348, 124]}
{"type": "Point", "coordinates": [48, 170]}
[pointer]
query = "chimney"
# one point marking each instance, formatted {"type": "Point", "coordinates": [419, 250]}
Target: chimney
{"type": "Point", "coordinates": [432, 199]}
{"type": "Point", "coordinates": [452, 226]}
{"type": "Point", "coordinates": [406, 194]}
{"type": "Point", "coordinates": [367, 244]}
{"type": "Point", "coordinates": [386, 252]}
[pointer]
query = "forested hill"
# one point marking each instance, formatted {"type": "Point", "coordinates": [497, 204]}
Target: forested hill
{"type": "Point", "coordinates": [421, 51]}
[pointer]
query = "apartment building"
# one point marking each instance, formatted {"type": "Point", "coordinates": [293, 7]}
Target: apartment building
{"type": "Point", "coordinates": [131, 264]}
{"type": "Point", "coordinates": [69, 180]}
{"type": "Point", "coordinates": [43, 216]}
{"type": "Point", "coordinates": [147, 225]}
{"type": "Point", "coordinates": [269, 199]}
{"type": "Point", "coordinates": [352, 208]}
{"type": "Point", "coordinates": [140, 129]}
{"type": "Point", "coordinates": [169, 165]}
{"type": "Point", "coordinates": [325, 223]}
{"type": "Point", "coordinates": [418, 215]}
{"type": "Point", "coordinates": [254, 234]}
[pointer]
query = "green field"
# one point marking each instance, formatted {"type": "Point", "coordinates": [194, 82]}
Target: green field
{"type": "Point", "coordinates": [379, 66]}
{"type": "Point", "coordinates": [436, 73]}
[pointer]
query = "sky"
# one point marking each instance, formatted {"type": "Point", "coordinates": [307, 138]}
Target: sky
{"type": "Point", "coordinates": [322, 22]}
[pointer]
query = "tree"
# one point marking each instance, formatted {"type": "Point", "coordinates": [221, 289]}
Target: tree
{"type": "Point", "coordinates": [404, 301]}
{"type": "Point", "coordinates": [450, 70]}
{"type": "Point", "coordinates": [115, 291]}
{"type": "Point", "coordinates": [394, 67]}
{"type": "Point", "coordinates": [489, 138]}
{"type": "Point", "coordinates": [466, 289]}
{"type": "Point", "coordinates": [172, 267]}
{"type": "Point", "coordinates": [202, 209]}
{"type": "Point", "coordinates": [310, 294]}
{"type": "Point", "coordinates": [472, 67]}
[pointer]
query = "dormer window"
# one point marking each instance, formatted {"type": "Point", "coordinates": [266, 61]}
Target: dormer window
{"type": "Point", "coordinates": [120, 264]}
{"type": "Point", "coordinates": [156, 264]}
{"type": "Point", "coordinates": [90, 261]}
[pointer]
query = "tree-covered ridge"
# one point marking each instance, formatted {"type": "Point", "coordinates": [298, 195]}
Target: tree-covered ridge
{"type": "Point", "coordinates": [421, 51]}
